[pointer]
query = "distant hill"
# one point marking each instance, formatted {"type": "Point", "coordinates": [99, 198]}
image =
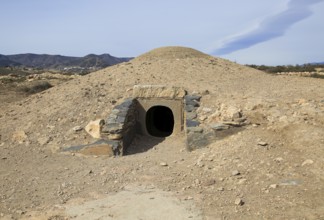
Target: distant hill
{"type": "Point", "coordinates": [5, 61]}
{"type": "Point", "coordinates": [46, 61]}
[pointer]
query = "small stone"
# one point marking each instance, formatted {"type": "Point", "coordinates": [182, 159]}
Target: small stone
{"type": "Point", "coordinates": [207, 110]}
{"type": "Point", "coordinates": [241, 181]}
{"type": "Point", "coordinates": [189, 198]}
{"type": "Point", "coordinates": [210, 182]}
{"type": "Point", "coordinates": [307, 162]}
{"type": "Point", "coordinates": [262, 143]}
{"type": "Point", "coordinates": [115, 136]}
{"type": "Point", "coordinates": [163, 164]}
{"type": "Point", "coordinates": [195, 129]}
{"type": "Point", "coordinates": [19, 136]}
{"type": "Point", "coordinates": [239, 202]}
{"type": "Point", "coordinates": [278, 159]}
{"type": "Point", "coordinates": [191, 115]}
{"type": "Point", "coordinates": [43, 140]}
{"type": "Point", "coordinates": [94, 128]}
{"type": "Point", "coordinates": [191, 123]}
{"type": "Point", "coordinates": [273, 186]}
{"type": "Point", "coordinates": [235, 173]}
{"type": "Point", "coordinates": [77, 128]}
{"type": "Point", "coordinates": [220, 189]}
{"type": "Point", "coordinates": [219, 127]}
{"type": "Point", "coordinates": [232, 123]}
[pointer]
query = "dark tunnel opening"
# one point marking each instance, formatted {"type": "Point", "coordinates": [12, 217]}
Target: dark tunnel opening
{"type": "Point", "coordinates": [159, 121]}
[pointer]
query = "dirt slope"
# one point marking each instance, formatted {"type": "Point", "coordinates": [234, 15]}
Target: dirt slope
{"type": "Point", "coordinates": [281, 180]}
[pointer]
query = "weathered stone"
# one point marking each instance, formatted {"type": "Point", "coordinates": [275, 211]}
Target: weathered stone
{"type": "Point", "coordinates": [191, 123]}
{"type": "Point", "coordinates": [163, 164]}
{"type": "Point", "coordinates": [124, 106]}
{"type": "Point", "coordinates": [100, 147]}
{"type": "Point", "coordinates": [77, 128]}
{"type": "Point", "coordinates": [196, 141]}
{"type": "Point", "coordinates": [230, 113]}
{"type": "Point", "coordinates": [191, 115]}
{"type": "Point", "coordinates": [307, 162]}
{"type": "Point", "coordinates": [195, 129]}
{"type": "Point", "coordinates": [191, 102]}
{"type": "Point", "coordinates": [113, 128]}
{"type": "Point", "coordinates": [235, 173]}
{"type": "Point", "coordinates": [232, 123]}
{"type": "Point", "coordinates": [219, 127]}
{"type": "Point", "coordinates": [94, 128]}
{"type": "Point", "coordinates": [115, 136]}
{"type": "Point", "coordinates": [239, 202]}
{"type": "Point", "coordinates": [189, 108]}
{"type": "Point", "coordinates": [193, 97]}
{"type": "Point", "coordinates": [273, 186]}
{"type": "Point", "coordinates": [158, 91]}
{"type": "Point", "coordinates": [44, 140]}
{"type": "Point", "coordinates": [262, 143]}
{"type": "Point", "coordinates": [203, 118]}
{"type": "Point", "coordinates": [19, 136]}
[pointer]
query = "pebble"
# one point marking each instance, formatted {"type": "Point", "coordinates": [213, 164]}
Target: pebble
{"type": "Point", "coordinates": [241, 181]}
{"type": "Point", "coordinates": [307, 162]}
{"type": "Point", "coordinates": [278, 159]}
{"type": "Point", "coordinates": [262, 143]}
{"type": "Point", "coordinates": [77, 128]}
{"type": "Point", "coordinates": [220, 189]}
{"type": "Point", "coordinates": [219, 127]}
{"type": "Point", "coordinates": [239, 202]}
{"type": "Point", "coordinates": [235, 173]}
{"type": "Point", "coordinates": [163, 164]}
{"type": "Point", "coordinates": [273, 186]}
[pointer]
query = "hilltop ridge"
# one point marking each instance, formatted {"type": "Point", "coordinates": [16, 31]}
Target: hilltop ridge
{"type": "Point", "coordinates": [47, 61]}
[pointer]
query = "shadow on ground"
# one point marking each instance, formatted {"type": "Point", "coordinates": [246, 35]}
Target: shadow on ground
{"type": "Point", "coordinates": [142, 144]}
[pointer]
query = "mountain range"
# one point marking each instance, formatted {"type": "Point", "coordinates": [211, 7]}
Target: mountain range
{"type": "Point", "coordinates": [46, 61]}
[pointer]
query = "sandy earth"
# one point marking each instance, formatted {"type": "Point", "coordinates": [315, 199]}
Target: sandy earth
{"type": "Point", "coordinates": [272, 168]}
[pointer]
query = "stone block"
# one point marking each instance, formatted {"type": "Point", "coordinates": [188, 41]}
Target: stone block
{"type": "Point", "coordinates": [94, 128]}
{"type": "Point", "coordinates": [158, 91]}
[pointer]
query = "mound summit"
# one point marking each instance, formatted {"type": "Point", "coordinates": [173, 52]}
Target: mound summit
{"type": "Point", "coordinates": [273, 165]}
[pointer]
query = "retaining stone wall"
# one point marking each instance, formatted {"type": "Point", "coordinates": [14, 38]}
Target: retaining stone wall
{"type": "Point", "coordinates": [120, 126]}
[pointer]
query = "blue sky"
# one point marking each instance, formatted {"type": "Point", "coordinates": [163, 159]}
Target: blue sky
{"type": "Point", "coordinates": [266, 32]}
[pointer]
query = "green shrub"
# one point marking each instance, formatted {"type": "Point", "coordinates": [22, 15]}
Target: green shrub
{"type": "Point", "coordinates": [36, 87]}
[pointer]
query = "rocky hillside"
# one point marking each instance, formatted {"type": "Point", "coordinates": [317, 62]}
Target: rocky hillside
{"type": "Point", "coordinates": [60, 62]}
{"type": "Point", "coordinates": [269, 168]}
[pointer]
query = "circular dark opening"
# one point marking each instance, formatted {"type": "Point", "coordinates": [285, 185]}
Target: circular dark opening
{"type": "Point", "coordinates": [159, 121]}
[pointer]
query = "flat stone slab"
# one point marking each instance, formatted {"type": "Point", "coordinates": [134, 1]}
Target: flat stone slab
{"type": "Point", "coordinates": [98, 148]}
{"type": "Point", "coordinates": [158, 91]}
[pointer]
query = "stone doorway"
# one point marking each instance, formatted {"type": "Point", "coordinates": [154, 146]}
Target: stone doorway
{"type": "Point", "coordinates": [159, 121]}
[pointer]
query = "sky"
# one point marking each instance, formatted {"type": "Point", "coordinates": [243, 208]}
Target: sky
{"type": "Point", "coordinates": [277, 32]}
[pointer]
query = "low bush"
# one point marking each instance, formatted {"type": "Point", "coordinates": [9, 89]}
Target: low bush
{"type": "Point", "coordinates": [36, 87]}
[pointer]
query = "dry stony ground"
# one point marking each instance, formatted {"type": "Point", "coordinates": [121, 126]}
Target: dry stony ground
{"type": "Point", "coordinates": [271, 168]}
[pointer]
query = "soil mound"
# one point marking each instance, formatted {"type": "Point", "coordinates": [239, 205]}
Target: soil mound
{"type": "Point", "coordinates": [272, 166]}
{"type": "Point", "coordinates": [172, 53]}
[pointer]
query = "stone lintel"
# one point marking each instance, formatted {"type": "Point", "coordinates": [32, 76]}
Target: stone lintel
{"type": "Point", "coordinates": [158, 91]}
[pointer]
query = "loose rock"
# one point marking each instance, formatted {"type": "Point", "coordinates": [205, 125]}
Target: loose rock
{"type": "Point", "coordinates": [94, 128]}
{"type": "Point", "coordinates": [307, 162]}
{"type": "Point", "coordinates": [163, 164]}
{"type": "Point", "coordinates": [239, 202]}
{"type": "Point", "coordinates": [235, 173]}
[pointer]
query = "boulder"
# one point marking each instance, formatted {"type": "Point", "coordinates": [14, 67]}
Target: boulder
{"type": "Point", "coordinates": [94, 128]}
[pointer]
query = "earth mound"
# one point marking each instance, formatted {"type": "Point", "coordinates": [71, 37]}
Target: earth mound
{"type": "Point", "coordinates": [172, 53]}
{"type": "Point", "coordinates": [271, 168]}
